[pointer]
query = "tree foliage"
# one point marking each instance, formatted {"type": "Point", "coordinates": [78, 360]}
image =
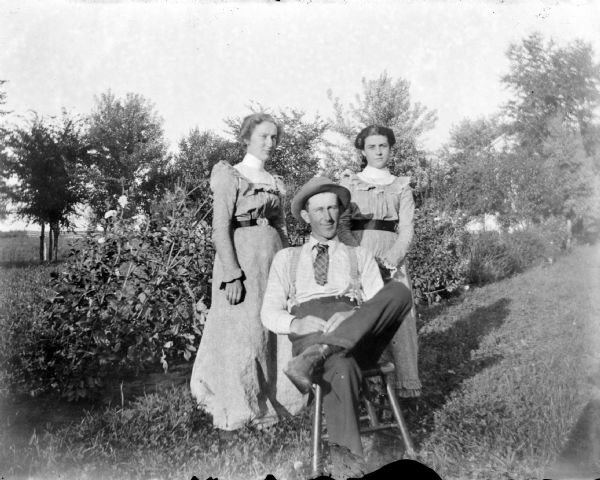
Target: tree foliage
{"type": "Point", "coordinates": [387, 102]}
{"type": "Point", "coordinates": [199, 151]}
{"type": "Point", "coordinates": [540, 161]}
{"type": "Point", "coordinates": [473, 174]}
{"type": "Point", "coordinates": [191, 167]}
{"type": "Point", "coordinates": [131, 152]}
{"type": "Point", "coordinates": [549, 82]}
{"type": "Point", "coordinates": [384, 102]}
{"type": "Point", "coordinates": [3, 132]}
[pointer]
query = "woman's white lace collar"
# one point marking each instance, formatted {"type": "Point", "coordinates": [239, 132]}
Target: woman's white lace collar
{"type": "Point", "coordinates": [253, 162]}
{"type": "Point", "coordinates": [378, 176]}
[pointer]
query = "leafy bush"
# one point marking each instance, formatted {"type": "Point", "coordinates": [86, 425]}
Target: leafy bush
{"type": "Point", "coordinates": [21, 298]}
{"type": "Point", "coordinates": [436, 260]}
{"type": "Point", "coordinates": [490, 259]}
{"type": "Point", "coordinates": [494, 256]}
{"type": "Point", "coordinates": [128, 298]}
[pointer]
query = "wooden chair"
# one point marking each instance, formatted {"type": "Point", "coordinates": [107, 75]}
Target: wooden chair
{"type": "Point", "coordinates": [383, 371]}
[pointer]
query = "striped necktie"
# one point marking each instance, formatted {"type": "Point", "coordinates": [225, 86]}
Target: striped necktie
{"type": "Point", "coordinates": [321, 263]}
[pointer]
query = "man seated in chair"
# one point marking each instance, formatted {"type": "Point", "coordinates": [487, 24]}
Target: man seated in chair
{"type": "Point", "coordinates": [330, 300]}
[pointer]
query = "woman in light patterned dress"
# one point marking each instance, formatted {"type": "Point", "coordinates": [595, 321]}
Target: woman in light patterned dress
{"type": "Point", "coordinates": [380, 218]}
{"type": "Point", "coordinates": [235, 372]}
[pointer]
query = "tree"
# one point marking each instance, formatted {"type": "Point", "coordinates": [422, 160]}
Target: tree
{"type": "Point", "coordinates": [190, 169]}
{"type": "Point", "coordinates": [472, 180]}
{"type": "Point", "coordinates": [551, 82]}
{"type": "Point", "coordinates": [49, 161]}
{"type": "Point", "coordinates": [131, 152]}
{"type": "Point", "coordinates": [554, 167]}
{"type": "Point", "coordinates": [388, 103]}
{"type": "Point", "coordinates": [471, 137]}
{"type": "Point", "coordinates": [3, 132]}
{"type": "Point", "coordinates": [198, 153]}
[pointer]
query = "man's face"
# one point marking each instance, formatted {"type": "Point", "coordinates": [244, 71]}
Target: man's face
{"type": "Point", "coordinates": [322, 212]}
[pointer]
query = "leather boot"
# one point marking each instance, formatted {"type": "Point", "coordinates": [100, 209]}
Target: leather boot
{"type": "Point", "coordinates": [301, 368]}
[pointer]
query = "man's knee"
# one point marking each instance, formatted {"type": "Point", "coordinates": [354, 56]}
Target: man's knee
{"type": "Point", "coordinates": [397, 294]}
{"type": "Point", "coordinates": [340, 367]}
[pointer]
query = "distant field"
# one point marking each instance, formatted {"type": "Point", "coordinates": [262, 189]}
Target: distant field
{"type": "Point", "coordinates": [22, 247]}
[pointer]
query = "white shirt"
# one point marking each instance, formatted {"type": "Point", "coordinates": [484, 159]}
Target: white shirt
{"type": "Point", "coordinates": [254, 170]}
{"type": "Point", "coordinates": [274, 313]}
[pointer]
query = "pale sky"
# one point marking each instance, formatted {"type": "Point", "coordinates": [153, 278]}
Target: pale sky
{"type": "Point", "coordinates": [200, 62]}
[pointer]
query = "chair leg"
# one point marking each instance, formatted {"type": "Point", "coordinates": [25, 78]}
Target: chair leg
{"type": "Point", "coordinates": [400, 419]}
{"type": "Point", "coordinates": [371, 411]}
{"type": "Point", "coordinates": [317, 427]}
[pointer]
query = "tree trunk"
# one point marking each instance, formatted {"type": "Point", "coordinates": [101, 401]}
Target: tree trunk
{"type": "Point", "coordinates": [569, 240]}
{"type": "Point", "coordinates": [42, 238]}
{"type": "Point", "coordinates": [56, 234]}
{"type": "Point", "coordinates": [50, 243]}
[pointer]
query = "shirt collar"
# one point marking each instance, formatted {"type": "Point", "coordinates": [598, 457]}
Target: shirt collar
{"type": "Point", "coordinates": [331, 243]}
{"type": "Point", "coordinates": [378, 176]}
{"type": "Point", "coordinates": [253, 162]}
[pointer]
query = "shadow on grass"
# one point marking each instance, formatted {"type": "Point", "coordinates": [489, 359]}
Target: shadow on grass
{"type": "Point", "coordinates": [445, 360]}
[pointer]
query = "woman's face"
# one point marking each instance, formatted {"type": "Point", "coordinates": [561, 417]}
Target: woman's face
{"type": "Point", "coordinates": [263, 141]}
{"type": "Point", "coordinates": [377, 151]}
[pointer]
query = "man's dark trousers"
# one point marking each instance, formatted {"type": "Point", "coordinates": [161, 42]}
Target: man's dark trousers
{"type": "Point", "coordinates": [363, 337]}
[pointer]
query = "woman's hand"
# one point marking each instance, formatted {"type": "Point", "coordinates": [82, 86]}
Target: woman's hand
{"type": "Point", "coordinates": [234, 291]}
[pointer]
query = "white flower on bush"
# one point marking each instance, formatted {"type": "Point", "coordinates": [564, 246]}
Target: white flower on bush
{"type": "Point", "coordinates": [110, 214]}
{"type": "Point", "coordinates": [122, 201]}
{"type": "Point", "coordinates": [101, 240]}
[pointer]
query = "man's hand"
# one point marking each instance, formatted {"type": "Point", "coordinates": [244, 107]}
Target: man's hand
{"type": "Point", "coordinates": [234, 291]}
{"type": "Point", "coordinates": [335, 320]}
{"type": "Point", "coordinates": [306, 325]}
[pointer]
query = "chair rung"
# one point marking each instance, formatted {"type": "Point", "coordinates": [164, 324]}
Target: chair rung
{"type": "Point", "coordinates": [385, 426]}
{"type": "Point", "coordinates": [383, 369]}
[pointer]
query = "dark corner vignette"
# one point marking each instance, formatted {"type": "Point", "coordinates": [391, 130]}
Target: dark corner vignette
{"type": "Point", "coordinates": [400, 469]}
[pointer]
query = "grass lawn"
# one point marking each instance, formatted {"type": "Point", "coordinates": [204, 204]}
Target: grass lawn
{"type": "Point", "coordinates": [21, 248]}
{"type": "Point", "coordinates": [507, 371]}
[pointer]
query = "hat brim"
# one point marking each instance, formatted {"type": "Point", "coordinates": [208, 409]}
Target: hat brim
{"type": "Point", "coordinates": [299, 200]}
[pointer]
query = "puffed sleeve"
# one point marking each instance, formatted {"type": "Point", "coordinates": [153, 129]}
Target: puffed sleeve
{"type": "Point", "coordinates": [279, 223]}
{"type": "Point", "coordinates": [406, 212]}
{"type": "Point", "coordinates": [344, 230]}
{"type": "Point", "coordinates": [224, 186]}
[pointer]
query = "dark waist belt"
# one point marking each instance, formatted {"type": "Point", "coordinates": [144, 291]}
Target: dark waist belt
{"type": "Point", "coordinates": [261, 222]}
{"type": "Point", "coordinates": [387, 225]}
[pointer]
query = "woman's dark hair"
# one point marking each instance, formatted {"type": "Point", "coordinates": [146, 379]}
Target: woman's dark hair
{"type": "Point", "coordinates": [251, 121]}
{"type": "Point", "coordinates": [359, 142]}
{"type": "Point", "coordinates": [374, 130]}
